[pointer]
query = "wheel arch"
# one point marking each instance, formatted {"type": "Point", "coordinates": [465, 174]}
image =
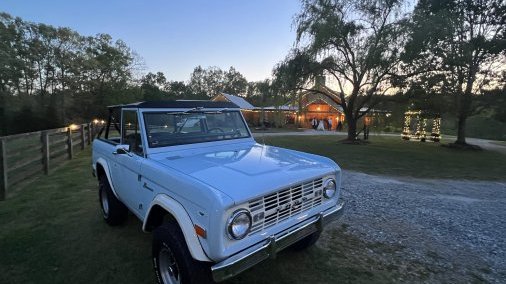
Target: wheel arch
{"type": "Point", "coordinates": [102, 168]}
{"type": "Point", "coordinates": [165, 208]}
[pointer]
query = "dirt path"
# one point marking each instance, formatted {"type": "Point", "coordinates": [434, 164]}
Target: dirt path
{"type": "Point", "coordinates": [454, 229]}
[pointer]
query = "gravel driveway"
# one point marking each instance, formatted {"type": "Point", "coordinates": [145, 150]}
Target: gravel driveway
{"type": "Point", "coordinates": [455, 230]}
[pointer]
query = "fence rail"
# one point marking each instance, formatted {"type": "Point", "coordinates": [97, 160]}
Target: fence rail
{"type": "Point", "coordinates": [29, 154]}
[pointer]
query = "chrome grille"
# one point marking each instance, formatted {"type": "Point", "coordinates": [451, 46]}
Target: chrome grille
{"type": "Point", "coordinates": [273, 208]}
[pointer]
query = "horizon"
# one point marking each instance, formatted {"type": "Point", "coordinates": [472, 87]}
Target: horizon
{"type": "Point", "coordinates": [251, 37]}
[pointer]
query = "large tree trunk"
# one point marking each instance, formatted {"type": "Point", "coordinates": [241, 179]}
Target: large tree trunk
{"type": "Point", "coordinates": [461, 130]}
{"type": "Point", "coordinates": [352, 128]}
{"type": "Point", "coordinates": [463, 112]}
{"type": "Point", "coordinates": [464, 106]}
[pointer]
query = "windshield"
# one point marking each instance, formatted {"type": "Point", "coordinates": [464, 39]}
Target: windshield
{"type": "Point", "coordinates": [176, 128]}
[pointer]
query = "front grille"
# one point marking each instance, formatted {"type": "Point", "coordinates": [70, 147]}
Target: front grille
{"type": "Point", "coordinates": [273, 208]}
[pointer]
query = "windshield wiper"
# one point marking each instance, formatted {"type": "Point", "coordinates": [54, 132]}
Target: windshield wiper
{"type": "Point", "coordinates": [187, 111]}
{"type": "Point", "coordinates": [198, 109]}
{"type": "Point", "coordinates": [217, 111]}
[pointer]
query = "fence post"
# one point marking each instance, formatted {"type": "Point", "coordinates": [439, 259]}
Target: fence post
{"type": "Point", "coordinates": [90, 134]}
{"type": "Point", "coordinates": [83, 142]}
{"type": "Point", "coordinates": [69, 143]}
{"type": "Point", "coordinates": [45, 151]}
{"type": "Point", "coordinates": [3, 170]}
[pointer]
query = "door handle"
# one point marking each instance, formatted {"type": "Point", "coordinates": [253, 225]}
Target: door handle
{"type": "Point", "coordinates": [145, 185]}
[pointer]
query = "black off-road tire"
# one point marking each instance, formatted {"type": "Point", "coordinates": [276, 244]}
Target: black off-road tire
{"type": "Point", "coordinates": [114, 212]}
{"type": "Point", "coordinates": [169, 237]}
{"type": "Point", "coordinates": [306, 242]}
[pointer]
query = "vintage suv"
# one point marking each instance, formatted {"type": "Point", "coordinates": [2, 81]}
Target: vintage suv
{"type": "Point", "coordinates": [217, 202]}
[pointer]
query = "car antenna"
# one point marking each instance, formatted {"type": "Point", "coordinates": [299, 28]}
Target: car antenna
{"type": "Point", "coordinates": [263, 131]}
{"type": "Point", "coordinates": [263, 137]}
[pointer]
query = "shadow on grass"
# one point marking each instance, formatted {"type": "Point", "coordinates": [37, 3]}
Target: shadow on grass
{"type": "Point", "coordinates": [338, 257]}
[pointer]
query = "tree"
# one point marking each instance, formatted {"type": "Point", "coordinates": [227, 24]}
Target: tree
{"type": "Point", "coordinates": [152, 86]}
{"type": "Point", "coordinates": [206, 82]}
{"type": "Point", "coordinates": [212, 80]}
{"type": "Point", "coordinates": [179, 90]}
{"type": "Point", "coordinates": [45, 70]}
{"type": "Point", "coordinates": [356, 43]}
{"type": "Point", "coordinates": [234, 82]}
{"type": "Point", "coordinates": [458, 48]}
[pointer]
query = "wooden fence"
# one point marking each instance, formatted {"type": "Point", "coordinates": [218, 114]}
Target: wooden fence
{"type": "Point", "coordinates": [26, 155]}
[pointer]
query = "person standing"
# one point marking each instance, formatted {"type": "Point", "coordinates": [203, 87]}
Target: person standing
{"type": "Point", "coordinates": [339, 126]}
{"type": "Point", "coordinates": [330, 123]}
{"type": "Point", "coordinates": [321, 125]}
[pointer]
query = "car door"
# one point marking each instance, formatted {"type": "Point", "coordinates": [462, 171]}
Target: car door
{"type": "Point", "coordinates": [128, 165]}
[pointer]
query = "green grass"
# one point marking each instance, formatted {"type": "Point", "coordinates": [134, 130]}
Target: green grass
{"type": "Point", "coordinates": [479, 126]}
{"type": "Point", "coordinates": [275, 130]}
{"type": "Point", "coordinates": [500, 143]}
{"type": "Point", "coordinates": [393, 156]}
{"type": "Point", "coordinates": [52, 232]}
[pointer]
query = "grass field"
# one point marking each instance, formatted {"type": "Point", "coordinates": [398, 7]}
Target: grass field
{"type": "Point", "coordinates": [500, 143]}
{"type": "Point", "coordinates": [52, 232]}
{"type": "Point", "coordinates": [393, 156]}
{"type": "Point", "coordinates": [275, 130]}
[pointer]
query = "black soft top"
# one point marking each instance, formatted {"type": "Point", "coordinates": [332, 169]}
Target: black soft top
{"type": "Point", "coordinates": [178, 104]}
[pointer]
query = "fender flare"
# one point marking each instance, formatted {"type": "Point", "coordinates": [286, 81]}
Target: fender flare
{"type": "Point", "coordinates": [103, 163]}
{"type": "Point", "coordinates": [185, 223]}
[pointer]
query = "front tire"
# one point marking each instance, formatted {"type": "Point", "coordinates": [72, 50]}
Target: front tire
{"type": "Point", "coordinates": [114, 212]}
{"type": "Point", "coordinates": [172, 260]}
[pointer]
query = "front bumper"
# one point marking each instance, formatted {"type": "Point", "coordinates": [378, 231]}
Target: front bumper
{"type": "Point", "coordinates": [275, 243]}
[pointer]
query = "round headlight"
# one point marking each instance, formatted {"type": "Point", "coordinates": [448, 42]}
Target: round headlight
{"type": "Point", "coordinates": [239, 224]}
{"type": "Point", "coordinates": [329, 188]}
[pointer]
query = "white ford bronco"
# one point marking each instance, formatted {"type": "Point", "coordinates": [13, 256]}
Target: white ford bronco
{"type": "Point", "coordinates": [216, 201]}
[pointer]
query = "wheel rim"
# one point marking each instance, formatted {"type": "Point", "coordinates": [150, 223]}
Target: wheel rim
{"type": "Point", "coordinates": [105, 203]}
{"type": "Point", "coordinates": [169, 271]}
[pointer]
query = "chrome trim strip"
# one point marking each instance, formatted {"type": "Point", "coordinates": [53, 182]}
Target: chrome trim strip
{"type": "Point", "coordinates": [273, 244]}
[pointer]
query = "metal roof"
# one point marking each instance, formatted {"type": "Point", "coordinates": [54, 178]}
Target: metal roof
{"type": "Point", "coordinates": [240, 102]}
{"type": "Point", "coordinates": [178, 104]}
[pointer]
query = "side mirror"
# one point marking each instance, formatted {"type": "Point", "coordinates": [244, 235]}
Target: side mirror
{"type": "Point", "coordinates": [122, 149]}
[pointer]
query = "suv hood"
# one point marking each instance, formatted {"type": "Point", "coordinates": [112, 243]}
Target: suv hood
{"type": "Point", "coordinates": [247, 170]}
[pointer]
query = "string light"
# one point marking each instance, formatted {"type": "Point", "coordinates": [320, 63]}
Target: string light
{"type": "Point", "coordinates": [436, 130]}
{"type": "Point", "coordinates": [407, 123]}
{"type": "Point", "coordinates": [421, 127]}
{"type": "Point", "coordinates": [423, 136]}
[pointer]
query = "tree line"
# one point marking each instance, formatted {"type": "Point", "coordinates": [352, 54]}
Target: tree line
{"type": "Point", "coordinates": [51, 77]}
{"type": "Point", "coordinates": [444, 54]}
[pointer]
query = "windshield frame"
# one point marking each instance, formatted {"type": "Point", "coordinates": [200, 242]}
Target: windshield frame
{"type": "Point", "coordinates": [192, 111]}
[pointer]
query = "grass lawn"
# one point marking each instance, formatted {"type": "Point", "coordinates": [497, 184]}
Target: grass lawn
{"type": "Point", "coordinates": [500, 143]}
{"type": "Point", "coordinates": [393, 156]}
{"type": "Point", "coordinates": [52, 232]}
{"type": "Point", "coordinates": [275, 130]}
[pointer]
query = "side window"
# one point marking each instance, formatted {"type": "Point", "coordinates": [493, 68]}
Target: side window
{"type": "Point", "coordinates": [111, 130]}
{"type": "Point", "coordinates": [130, 131]}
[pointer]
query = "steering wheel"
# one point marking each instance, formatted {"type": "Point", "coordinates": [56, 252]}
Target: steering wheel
{"type": "Point", "coordinates": [216, 129]}
{"type": "Point", "coordinates": [237, 133]}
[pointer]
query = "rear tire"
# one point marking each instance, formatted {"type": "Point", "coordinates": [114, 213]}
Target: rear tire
{"type": "Point", "coordinates": [306, 242]}
{"type": "Point", "coordinates": [172, 260]}
{"type": "Point", "coordinates": [114, 212]}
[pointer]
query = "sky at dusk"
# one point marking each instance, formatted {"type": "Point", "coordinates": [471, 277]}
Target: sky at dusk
{"type": "Point", "coordinates": [175, 36]}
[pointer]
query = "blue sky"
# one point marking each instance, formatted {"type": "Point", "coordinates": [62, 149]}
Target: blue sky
{"type": "Point", "coordinates": [175, 36]}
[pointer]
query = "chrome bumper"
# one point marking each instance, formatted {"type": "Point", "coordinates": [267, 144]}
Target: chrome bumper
{"type": "Point", "coordinates": [275, 243]}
